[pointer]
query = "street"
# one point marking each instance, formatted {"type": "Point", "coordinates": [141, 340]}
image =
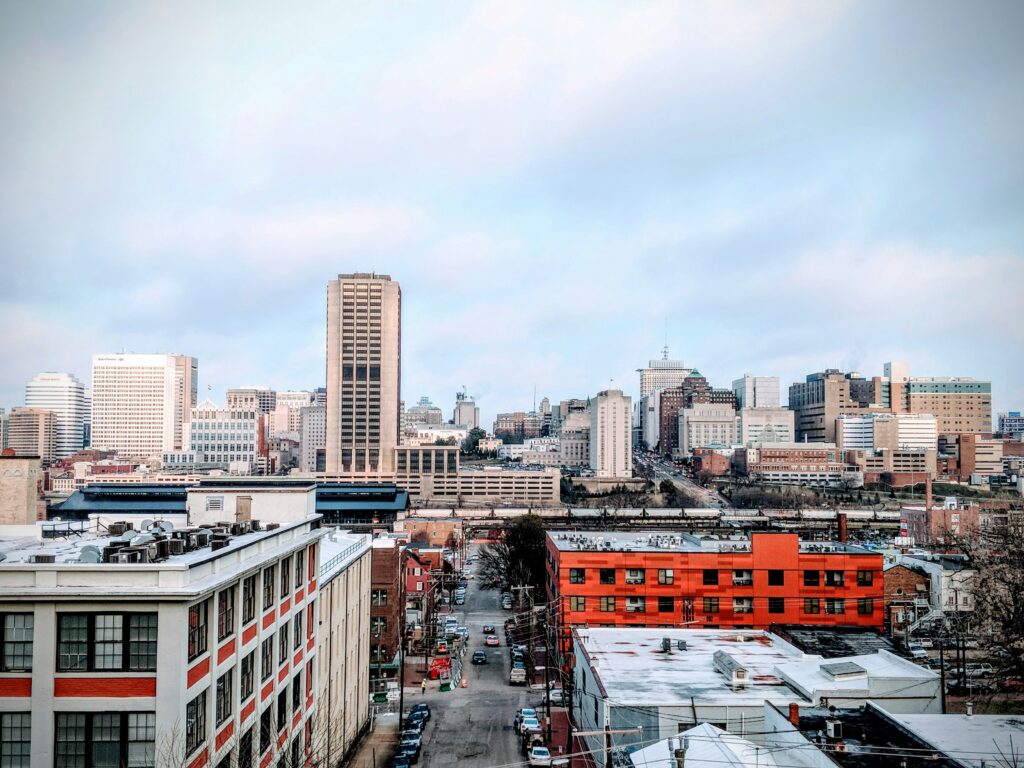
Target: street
{"type": "Point", "coordinates": [663, 470]}
{"type": "Point", "coordinates": [472, 726]}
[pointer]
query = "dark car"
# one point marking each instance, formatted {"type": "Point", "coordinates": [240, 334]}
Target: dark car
{"type": "Point", "coordinates": [479, 657]}
{"type": "Point", "coordinates": [416, 720]}
{"type": "Point", "coordinates": [410, 749]}
{"type": "Point", "coordinates": [424, 708]}
{"type": "Point", "coordinates": [400, 761]}
{"type": "Point", "coordinates": [488, 629]}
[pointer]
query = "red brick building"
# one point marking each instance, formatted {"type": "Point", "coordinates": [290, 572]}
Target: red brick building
{"type": "Point", "coordinates": [906, 596]}
{"type": "Point", "coordinates": [940, 526]}
{"type": "Point", "coordinates": [387, 606]}
{"type": "Point", "coordinates": [615, 579]}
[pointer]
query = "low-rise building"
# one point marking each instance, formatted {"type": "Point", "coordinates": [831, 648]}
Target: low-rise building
{"type": "Point", "coordinates": [797, 463]}
{"type": "Point", "coordinates": [906, 596]}
{"type": "Point", "coordinates": [666, 579]}
{"type": "Point", "coordinates": [186, 647]}
{"type": "Point", "coordinates": [19, 489]}
{"type": "Point", "coordinates": [387, 606]}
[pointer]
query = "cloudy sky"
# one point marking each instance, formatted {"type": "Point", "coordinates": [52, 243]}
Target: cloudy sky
{"type": "Point", "coordinates": [784, 187]}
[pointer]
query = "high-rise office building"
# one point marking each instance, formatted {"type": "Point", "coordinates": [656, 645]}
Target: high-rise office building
{"type": "Point", "coordinates": [611, 433]}
{"type": "Point", "coordinates": [63, 394]}
{"type": "Point", "coordinates": [756, 391]}
{"type": "Point", "coordinates": [260, 399]}
{"type": "Point", "coordinates": [364, 340]}
{"type": "Point", "coordinates": [33, 432]}
{"type": "Point", "coordinates": [660, 374]}
{"type": "Point", "coordinates": [140, 402]}
{"type": "Point", "coordinates": [3, 429]}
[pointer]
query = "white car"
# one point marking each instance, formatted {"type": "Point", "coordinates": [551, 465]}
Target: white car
{"type": "Point", "coordinates": [527, 723]}
{"type": "Point", "coordinates": [540, 756]}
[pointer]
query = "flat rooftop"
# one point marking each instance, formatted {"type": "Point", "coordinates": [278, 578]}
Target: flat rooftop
{"type": "Point", "coordinates": [634, 669]}
{"type": "Point", "coordinates": [662, 541]}
{"type": "Point", "coordinates": [975, 741]}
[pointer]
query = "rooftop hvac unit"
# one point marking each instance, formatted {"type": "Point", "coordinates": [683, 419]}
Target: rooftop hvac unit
{"type": "Point", "coordinates": [111, 549]}
{"type": "Point", "coordinates": [273, 526]}
{"type": "Point", "coordinates": [681, 645]}
{"type": "Point", "coordinates": [163, 549]}
{"type": "Point", "coordinates": [256, 525]}
{"type": "Point", "coordinates": [834, 728]}
{"type": "Point", "coordinates": [200, 539]}
{"type": "Point", "coordinates": [116, 529]}
{"type": "Point", "coordinates": [125, 556]}
{"type": "Point", "coordinates": [666, 644]}
{"type": "Point", "coordinates": [43, 559]}
{"type": "Point", "coordinates": [176, 546]}
{"type": "Point", "coordinates": [219, 543]}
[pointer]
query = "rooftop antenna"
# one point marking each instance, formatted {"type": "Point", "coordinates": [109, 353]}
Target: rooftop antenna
{"type": "Point", "coordinates": [664, 350]}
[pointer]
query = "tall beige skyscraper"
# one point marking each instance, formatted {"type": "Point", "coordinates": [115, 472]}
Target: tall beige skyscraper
{"type": "Point", "coordinates": [141, 403]}
{"type": "Point", "coordinates": [364, 373]}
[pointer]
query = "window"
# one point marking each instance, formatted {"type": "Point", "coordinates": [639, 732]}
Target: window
{"type": "Point", "coordinates": [812, 578]}
{"type": "Point", "coordinates": [197, 629]}
{"type": "Point", "coordinates": [865, 578]}
{"type": "Point", "coordinates": [247, 676]}
{"type": "Point", "coordinates": [195, 723]}
{"type": "Point", "coordinates": [378, 597]}
{"type": "Point", "coordinates": [776, 578]}
{"type": "Point", "coordinates": [865, 606]}
{"type": "Point", "coordinates": [224, 697]}
{"type": "Point", "coordinates": [312, 560]}
{"type": "Point", "coordinates": [835, 605]}
{"type": "Point", "coordinates": [636, 576]}
{"type": "Point", "coordinates": [776, 605]}
{"type": "Point", "coordinates": [834, 579]}
{"type": "Point", "coordinates": [266, 729]}
{"type": "Point", "coordinates": [743, 605]}
{"type": "Point", "coordinates": [99, 740]}
{"type": "Point", "coordinates": [710, 604]}
{"type": "Point", "coordinates": [742, 578]}
{"type": "Point", "coordinates": [666, 576]}
{"type": "Point", "coordinates": [88, 642]}
{"type": "Point", "coordinates": [297, 692]}
{"type": "Point", "coordinates": [17, 642]}
{"type": "Point", "coordinates": [268, 588]}
{"type": "Point", "coordinates": [15, 739]}
{"type": "Point", "coordinates": [607, 604]}
{"type": "Point", "coordinates": [245, 750]}
{"type": "Point", "coordinates": [226, 613]}
{"type": "Point", "coordinates": [378, 654]}
{"type": "Point", "coordinates": [300, 567]}
{"type": "Point", "coordinates": [282, 645]}
{"type": "Point", "coordinates": [282, 709]}
{"type": "Point", "coordinates": [577, 576]}
{"type": "Point", "coordinates": [710, 577]}
{"type": "Point", "coordinates": [812, 605]}
{"type": "Point", "coordinates": [577, 603]}
{"type": "Point", "coordinates": [378, 625]}
{"type": "Point", "coordinates": [248, 600]}
{"type": "Point", "coordinates": [666, 605]}
{"type": "Point", "coordinates": [286, 573]}
{"type": "Point", "coordinates": [297, 630]}
{"type": "Point", "coordinates": [266, 659]}
{"type": "Point", "coordinates": [636, 605]}
{"type": "Point", "coordinates": [607, 576]}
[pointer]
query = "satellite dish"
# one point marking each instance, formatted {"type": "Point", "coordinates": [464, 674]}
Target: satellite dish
{"type": "Point", "coordinates": [89, 548]}
{"type": "Point", "coordinates": [166, 525]}
{"type": "Point", "coordinates": [146, 524]}
{"type": "Point", "coordinates": [142, 538]}
{"type": "Point", "coordinates": [89, 557]}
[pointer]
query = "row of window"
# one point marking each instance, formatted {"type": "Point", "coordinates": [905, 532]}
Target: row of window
{"type": "Point", "coordinates": [811, 605]}
{"type": "Point", "coordinates": [84, 739]}
{"type": "Point", "coordinates": [711, 577]}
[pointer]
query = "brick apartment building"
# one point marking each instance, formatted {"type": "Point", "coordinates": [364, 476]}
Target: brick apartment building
{"type": "Point", "coordinates": [906, 596]}
{"type": "Point", "coordinates": [940, 526]}
{"type": "Point", "coordinates": [611, 579]}
{"type": "Point", "coordinates": [387, 605]}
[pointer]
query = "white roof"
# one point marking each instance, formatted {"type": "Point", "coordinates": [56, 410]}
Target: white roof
{"type": "Point", "coordinates": [711, 747]}
{"type": "Point", "coordinates": [971, 741]}
{"type": "Point", "coordinates": [855, 676]}
{"type": "Point", "coordinates": [634, 670]}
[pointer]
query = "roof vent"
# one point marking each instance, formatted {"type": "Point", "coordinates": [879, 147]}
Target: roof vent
{"type": "Point", "coordinates": [43, 559]}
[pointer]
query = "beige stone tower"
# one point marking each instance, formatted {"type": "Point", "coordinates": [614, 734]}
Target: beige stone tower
{"type": "Point", "coordinates": [364, 373]}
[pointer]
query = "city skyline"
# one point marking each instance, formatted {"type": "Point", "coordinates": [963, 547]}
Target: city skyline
{"type": "Point", "coordinates": [548, 210]}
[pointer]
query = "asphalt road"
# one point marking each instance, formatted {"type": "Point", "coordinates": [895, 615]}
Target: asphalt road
{"type": "Point", "coordinates": [472, 727]}
{"type": "Point", "coordinates": [708, 498]}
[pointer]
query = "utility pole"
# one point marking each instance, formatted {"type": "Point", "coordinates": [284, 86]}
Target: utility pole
{"type": "Point", "coordinates": [547, 666]}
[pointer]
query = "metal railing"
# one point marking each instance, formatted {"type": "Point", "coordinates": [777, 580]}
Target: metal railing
{"type": "Point", "coordinates": [346, 553]}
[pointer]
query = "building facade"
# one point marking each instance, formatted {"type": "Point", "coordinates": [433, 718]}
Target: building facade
{"type": "Point", "coordinates": [33, 432]}
{"type": "Point", "coordinates": [466, 411]}
{"type": "Point", "coordinates": [204, 658]}
{"type": "Point", "coordinates": [63, 394]}
{"type": "Point", "coordinates": [364, 321]}
{"type": "Point", "coordinates": [669, 579]}
{"type": "Point", "coordinates": [706, 424]}
{"type": "Point", "coordinates": [258, 399]}
{"type": "Point", "coordinates": [19, 490]}
{"type": "Point", "coordinates": [796, 463]}
{"type": "Point", "coordinates": [611, 431]}
{"type": "Point", "coordinates": [312, 438]}
{"type": "Point", "coordinates": [140, 403]}
{"type": "Point", "coordinates": [756, 391]}
{"type": "Point", "coordinates": [765, 424]}
{"type": "Point", "coordinates": [226, 438]}
{"type": "Point", "coordinates": [661, 374]}
{"type": "Point", "coordinates": [889, 431]}
{"type": "Point", "coordinates": [1011, 423]}
{"type": "Point", "coordinates": [387, 606]}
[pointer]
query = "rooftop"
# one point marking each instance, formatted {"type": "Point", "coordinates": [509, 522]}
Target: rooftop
{"type": "Point", "coordinates": [832, 642]}
{"type": "Point", "coordinates": [973, 741]}
{"type": "Point", "coordinates": [634, 670]}
{"type": "Point", "coordinates": [711, 747]}
{"type": "Point", "coordinates": [661, 541]}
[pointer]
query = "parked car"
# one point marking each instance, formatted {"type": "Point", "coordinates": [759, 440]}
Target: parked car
{"type": "Point", "coordinates": [412, 735]}
{"type": "Point", "coordinates": [917, 652]}
{"type": "Point", "coordinates": [479, 657]}
{"type": "Point", "coordinates": [400, 761]}
{"type": "Point", "coordinates": [410, 750]}
{"type": "Point", "coordinates": [557, 697]}
{"type": "Point", "coordinates": [979, 670]}
{"type": "Point", "coordinates": [488, 629]}
{"type": "Point", "coordinates": [540, 756]}
{"type": "Point", "coordinates": [416, 721]}
{"type": "Point", "coordinates": [424, 708]}
{"type": "Point", "coordinates": [517, 677]}
{"type": "Point", "coordinates": [492, 640]}
{"type": "Point", "coordinates": [528, 722]}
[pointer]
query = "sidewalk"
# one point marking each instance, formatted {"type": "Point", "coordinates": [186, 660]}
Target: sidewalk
{"type": "Point", "coordinates": [378, 745]}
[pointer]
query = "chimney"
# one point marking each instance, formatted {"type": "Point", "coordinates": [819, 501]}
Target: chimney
{"type": "Point", "coordinates": [680, 752]}
{"type": "Point", "coordinates": [844, 535]}
{"type": "Point", "coordinates": [794, 714]}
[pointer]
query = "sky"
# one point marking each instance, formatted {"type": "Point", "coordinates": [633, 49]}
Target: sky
{"type": "Point", "coordinates": [775, 188]}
